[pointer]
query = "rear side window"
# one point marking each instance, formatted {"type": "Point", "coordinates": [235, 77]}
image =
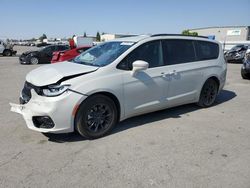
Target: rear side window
{"type": "Point", "coordinates": [206, 50]}
{"type": "Point", "coordinates": [176, 51]}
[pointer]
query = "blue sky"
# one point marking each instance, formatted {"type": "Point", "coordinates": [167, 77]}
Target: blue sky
{"type": "Point", "coordinates": [63, 18]}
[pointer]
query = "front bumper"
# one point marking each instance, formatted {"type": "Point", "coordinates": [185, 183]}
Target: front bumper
{"type": "Point", "coordinates": [14, 52]}
{"type": "Point", "coordinates": [22, 60]}
{"type": "Point", "coordinates": [60, 109]}
{"type": "Point", "coordinates": [234, 57]}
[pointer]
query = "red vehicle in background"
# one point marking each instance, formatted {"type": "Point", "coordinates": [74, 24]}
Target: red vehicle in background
{"type": "Point", "coordinates": [68, 54]}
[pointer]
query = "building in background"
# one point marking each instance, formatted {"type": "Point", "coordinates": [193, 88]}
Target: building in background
{"type": "Point", "coordinates": [229, 36]}
{"type": "Point", "coordinates": [226, 33]}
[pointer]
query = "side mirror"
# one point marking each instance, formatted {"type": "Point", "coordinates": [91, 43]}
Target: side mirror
{"type": "Point", "coordinates": [139, 65]}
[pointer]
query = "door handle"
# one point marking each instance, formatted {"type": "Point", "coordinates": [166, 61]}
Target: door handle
{"type": "Point", "coordinates": [174, 73]}
{"type": "Point", "coordinates": [164, 75]}
{"type": "Point", "coordinates": [171, 73]}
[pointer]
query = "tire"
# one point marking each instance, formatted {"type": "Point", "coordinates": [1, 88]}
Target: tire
{"type": "Point", "coordinates": [208, 93]}
{"type": "Point", "coordinates": [244, 75]}
{"type": "Point", "coordinates": [7, 53]}
{"type": "Point", "coordinates": [96, 116]}
{"type": "Point", "coordinates": [34, 60]}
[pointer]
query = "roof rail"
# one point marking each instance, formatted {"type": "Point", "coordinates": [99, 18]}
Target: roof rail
{"type": "Point", "coordinates": [159, 35]}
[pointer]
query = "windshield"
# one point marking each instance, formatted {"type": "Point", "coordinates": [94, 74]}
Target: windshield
{"type": "Point", "coordinates": [238, 47]}
{"type": "Point", "coordinates": [103, 54]}
{"type": "Point", "coordinates": [43, 48]}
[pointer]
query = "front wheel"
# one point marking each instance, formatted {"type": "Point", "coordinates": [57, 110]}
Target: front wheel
{"type": "Point", "coordinates": [96, 116]}
{"type": "Point", "coordinates": [208, 93]}
{"type": "Point", "coordinates": [34, 60]}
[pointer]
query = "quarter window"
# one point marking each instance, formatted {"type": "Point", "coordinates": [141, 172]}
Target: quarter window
{"type": "Point", "coordinates": [178, 51]}
{"type": "Point", "coordinates": [206, 50]}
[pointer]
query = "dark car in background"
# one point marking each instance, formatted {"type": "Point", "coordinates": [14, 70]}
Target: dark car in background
{"type": "Point", "coordinates": [237, 53]}
{"type": "Point", "coordinates": [42, 55]}
{"type": "Point", "coordinates": [68, 54]}
{"type": "Point", "coordinates": [245, 69]}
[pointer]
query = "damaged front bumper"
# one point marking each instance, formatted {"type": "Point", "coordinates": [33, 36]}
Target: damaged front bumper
{"type": "Point", "coordinates": [50, 114]}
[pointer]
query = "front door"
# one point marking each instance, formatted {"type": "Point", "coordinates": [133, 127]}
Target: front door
{"type": "Point", "coordinates": [46, 55]}
{"type": "Point", "coordinates": [144, 92]}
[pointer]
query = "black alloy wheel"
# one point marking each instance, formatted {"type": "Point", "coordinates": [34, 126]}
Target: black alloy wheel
{"type": "Point", "coordinates": [99, 117]}
{"type": "Point", "coordinates": [96, 116]}
{"type": "Point", "coordinates": [208, 93]}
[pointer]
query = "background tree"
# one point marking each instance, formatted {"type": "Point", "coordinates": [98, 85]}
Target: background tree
{"type": "Point", "coordinates": [98, 36]}
{"type": "Point", "coordinates": [188, 33]}
{"type": "Point", "coordinates": [42, 37]}
{"type": "Point", "coordinates": [84, 35]}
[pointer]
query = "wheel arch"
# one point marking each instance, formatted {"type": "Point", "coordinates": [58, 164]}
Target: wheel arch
{"type": "Point", "coordinates": [7, 50]}
{"type": "Point", "coordinates": [107, 94]}
{"type": "Point", "coordinates": [115, 99]}
{"type": "Point", "coordinates": [215, 78]}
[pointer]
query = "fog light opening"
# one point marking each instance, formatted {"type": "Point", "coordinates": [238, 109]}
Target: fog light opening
{"type": "Point", "coordinates": [44, 122]}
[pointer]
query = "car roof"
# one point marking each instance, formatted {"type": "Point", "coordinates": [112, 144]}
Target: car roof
{"type": "Point", "coordinates": [164, 36]}
{"type": "Point", "coordinates": [55, 45]}
{"type": "Point", "coordinates": [132, 39]}
{"type": "Point", "coordinates": [83, 47]}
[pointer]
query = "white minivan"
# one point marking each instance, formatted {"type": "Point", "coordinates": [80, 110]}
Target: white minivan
{"type": "Point", "coordinates": [120, 79]}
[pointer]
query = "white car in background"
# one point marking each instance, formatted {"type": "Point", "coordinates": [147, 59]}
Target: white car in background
{"type": "Point", "coordinates": [120, 79]}
{"type": "Point", "coordinates": [6, 49]}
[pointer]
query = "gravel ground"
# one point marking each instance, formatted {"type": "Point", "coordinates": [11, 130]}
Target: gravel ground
{"type": "Point", "coordinates": [179, 147]}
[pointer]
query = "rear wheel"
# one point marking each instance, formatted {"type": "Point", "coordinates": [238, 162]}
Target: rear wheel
{"type": "Point", "coordinates": [34, 60]}
{"type": "Point", "coordinates": [245, 75]}
{"type": "Point", "coordinates": [208, 93]}
{"type": "Point", "coordinates": [7, 53]}
{"type": "Point", "coordinates": [96, 116]}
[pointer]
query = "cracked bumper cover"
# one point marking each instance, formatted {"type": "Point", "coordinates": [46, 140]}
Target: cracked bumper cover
{"type": "Point", "coordinates": [60, 109]}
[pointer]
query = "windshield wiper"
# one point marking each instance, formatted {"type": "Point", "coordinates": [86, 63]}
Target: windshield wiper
{"type": "Point", "coordinates": [84, 63]}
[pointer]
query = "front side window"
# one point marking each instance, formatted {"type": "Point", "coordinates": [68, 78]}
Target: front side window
{"type": "Point", "coordinates": [176, 51]}
{"type": "Point", "coordinates": [61, 48]}
{"type": "Point", "coordinates": [48, 49]}
{"type": "Point", "coordinates": [102, 54]}
{"type": "Point", "coordinates": [150, 52]}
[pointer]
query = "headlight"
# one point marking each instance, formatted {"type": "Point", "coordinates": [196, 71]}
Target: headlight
{"type": "Point", "coordinates": [240, 54]}
{"type": "Point", "coordinates": [55, 90]}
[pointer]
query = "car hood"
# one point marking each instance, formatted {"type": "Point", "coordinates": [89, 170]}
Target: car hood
{"type": "Point", "coordinates": [51, 74]}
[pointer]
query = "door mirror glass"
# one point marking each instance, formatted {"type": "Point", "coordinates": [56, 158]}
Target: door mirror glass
{"type": "Point", "coordinates": [139, 65]}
